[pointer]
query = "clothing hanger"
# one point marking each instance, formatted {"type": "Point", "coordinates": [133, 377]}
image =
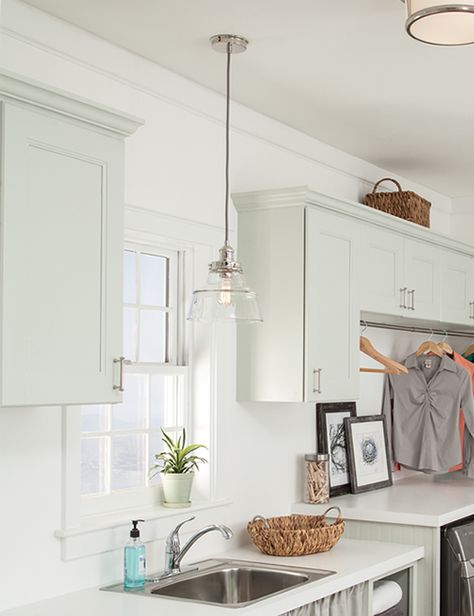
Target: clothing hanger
{"type": "Point", "coordinates": [429, 347]}
{"type": "Point", "coordinates": [391, 366]}
{"type": "Point", "coordinates": [469, 350]}
{"type": "Point", "coordinates": [445, 346]}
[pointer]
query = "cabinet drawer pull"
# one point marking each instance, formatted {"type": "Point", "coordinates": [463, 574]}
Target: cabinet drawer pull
{"type": "Point", "coordinates": [403, 297]}
{"type": "Point", "coordinates": [471, 310]}
{"type": "Point", "coordinates": [411, 305]}
{"type": "Point", "coordinates": [317, 390]}
{"type": "Point", "coordinates": [121, 361]}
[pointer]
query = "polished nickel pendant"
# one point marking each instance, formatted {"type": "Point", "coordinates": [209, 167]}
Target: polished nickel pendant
{"type": "Point", "coordinates": [226, 296]}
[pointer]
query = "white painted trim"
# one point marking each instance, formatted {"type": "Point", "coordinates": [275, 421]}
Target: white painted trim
{"type": "Point", "coordinates": [301, 196]}
{"type": "Point", "coordinates": [104, 533]}
{"type": "Point", "coordinates": [165, 228]}
{"type": "Point", "coordinates": [14, 87]}
{"type": "Point", "coordinates": [213, 406]}
{"type": "Point", "coordinates": [70, 473]}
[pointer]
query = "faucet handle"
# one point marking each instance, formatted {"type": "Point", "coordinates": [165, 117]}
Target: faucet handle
{"type": "Point", "coordinates": [174, 535]}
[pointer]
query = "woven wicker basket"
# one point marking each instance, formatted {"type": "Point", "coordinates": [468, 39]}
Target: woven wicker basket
{"type": "Point", "coordinates": [295, 535]}
{"type": "Point", "coordinates": [402, 203]}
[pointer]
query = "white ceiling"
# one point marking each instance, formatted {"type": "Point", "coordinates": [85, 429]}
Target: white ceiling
{"type": "Point", "coordinates": [343, 71]}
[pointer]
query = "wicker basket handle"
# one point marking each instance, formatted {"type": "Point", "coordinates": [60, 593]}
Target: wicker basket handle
{"type": "Point", "coordinates": [386, 180]}
{"type": "Point", "coordinates": [338, 509]}
{"type": "Point", "coordinates": [260, 517]}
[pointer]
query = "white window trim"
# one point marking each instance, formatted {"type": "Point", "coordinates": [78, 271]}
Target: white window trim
{"type": "Point", "coordinates": [102, 533]}
{"type": "Point", "coordinates": [145, 496]}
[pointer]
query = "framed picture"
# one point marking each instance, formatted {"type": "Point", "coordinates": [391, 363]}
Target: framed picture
{"type": "Point", "coordinates": [367, 448]}
{"type": "Point", "coordinates": [331, 439]}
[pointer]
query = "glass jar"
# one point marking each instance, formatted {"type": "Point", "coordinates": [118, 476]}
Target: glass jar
{"type": "Point", "coordinates": [316, 478]}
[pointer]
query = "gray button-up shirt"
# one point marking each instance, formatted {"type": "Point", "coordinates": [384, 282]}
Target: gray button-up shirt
{"type": "Point", "coordinates": [422, 414]}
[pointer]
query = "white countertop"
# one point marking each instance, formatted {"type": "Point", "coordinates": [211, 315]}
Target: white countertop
{"type": "Point", "coordinates": [354, 561]}
{"type": "Point", "coordinates": [421, 500]}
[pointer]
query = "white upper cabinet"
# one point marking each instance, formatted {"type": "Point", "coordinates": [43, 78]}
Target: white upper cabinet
{"type": "Point", "coordinates": [382, 274]}
{"type": "Point", "coordinates": [422, 279]}
{"type": "Point", "coordinates": [332, 308]}
{"type": "Point", "coordinates": [457, 285]}
{"type": "Point", "coordinates": [61, 250]}
{"type": "Point", "coordinates": [301, 262]}
{"type": "Point", "coordinates": [399, 276]}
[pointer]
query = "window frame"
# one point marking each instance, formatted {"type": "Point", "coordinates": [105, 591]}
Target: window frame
{"type": "Point", "coordinates": [197, 244]}
{"type": "Point", "coordinates": [175, 325]}
{"type": "Point", "coordinates": [146, 496]}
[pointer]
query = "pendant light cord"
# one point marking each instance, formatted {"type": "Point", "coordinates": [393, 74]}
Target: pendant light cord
{"type": "Point", "coordinates": [227, 139]}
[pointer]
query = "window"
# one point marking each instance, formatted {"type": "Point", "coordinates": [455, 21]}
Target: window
{"type": "Point", "coordinates": [118, 441]}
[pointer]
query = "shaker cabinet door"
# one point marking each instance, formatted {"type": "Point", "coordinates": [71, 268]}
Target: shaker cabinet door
{"type": "Point", "coordinates": [422, 277]}
{"type": "Point", "coordinates": [332, 308]}
{"type": "Point", "coordinates": [381, 273]}
{"type": "Point", "coordinates": [457, 288]}
{"type": "Point", "coordinates": [61, 244]}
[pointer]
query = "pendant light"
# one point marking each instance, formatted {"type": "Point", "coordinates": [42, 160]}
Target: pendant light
{"type": "Point", "coordinates": [440, 23]}
{"type": "Point", "coordinates": [226, 297]}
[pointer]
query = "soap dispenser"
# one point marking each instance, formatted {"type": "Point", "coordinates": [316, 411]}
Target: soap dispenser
{"type": "Point", "coordinates": [134, 560]}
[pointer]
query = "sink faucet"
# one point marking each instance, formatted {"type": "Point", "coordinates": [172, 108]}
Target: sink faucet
{"type": "Point", "coordinates": [174, 553]}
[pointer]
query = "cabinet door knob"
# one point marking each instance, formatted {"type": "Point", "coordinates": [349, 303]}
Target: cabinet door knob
{"type": "Point", "coordinates": [317, 390]}
{"type": "Point", "coordinates": [121, 361]}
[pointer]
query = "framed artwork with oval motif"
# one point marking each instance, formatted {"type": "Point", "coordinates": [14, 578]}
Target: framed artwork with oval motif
{"type": "Point", "coordinates": [368, 453]}
{"type": "Point", "coordinates": [331, 439]}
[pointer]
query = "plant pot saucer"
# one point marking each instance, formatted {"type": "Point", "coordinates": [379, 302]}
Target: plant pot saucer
{"type": "Point", "coordinates": [176, 505]}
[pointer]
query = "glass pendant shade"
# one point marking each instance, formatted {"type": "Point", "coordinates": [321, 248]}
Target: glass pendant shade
{"type": "Point", "coordinates": [440, 23]}
{"type": "Point", "coordinates": [226, 296]}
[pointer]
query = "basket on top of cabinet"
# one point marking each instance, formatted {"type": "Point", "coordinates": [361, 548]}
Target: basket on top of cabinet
{"type": "Point", "coordinates": [404, 204]}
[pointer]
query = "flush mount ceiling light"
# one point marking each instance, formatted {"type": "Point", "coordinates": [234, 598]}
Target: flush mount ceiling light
{"type": "Point", "coordinates": [226, 296]}
{"type": "Point", "coordinates": [440, 23]}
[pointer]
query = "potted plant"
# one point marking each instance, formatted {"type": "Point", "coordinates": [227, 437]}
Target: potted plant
{"type": "Point", "coordinates": [177, 465]}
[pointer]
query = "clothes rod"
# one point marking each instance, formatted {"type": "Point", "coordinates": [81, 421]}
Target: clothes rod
{"type": "Point", "coordinates": [418, 330]}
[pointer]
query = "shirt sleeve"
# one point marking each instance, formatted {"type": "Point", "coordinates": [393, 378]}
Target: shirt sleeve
{"type": "Point", "coordinates": [387, 412]}
{"type": "Point", "coordinates": [467, 405]}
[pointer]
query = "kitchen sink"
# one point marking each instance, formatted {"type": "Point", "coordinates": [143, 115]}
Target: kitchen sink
{"type": "Point", "coordinates": [231, 583]}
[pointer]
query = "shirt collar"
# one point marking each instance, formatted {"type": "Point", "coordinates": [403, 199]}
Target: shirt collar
{"type": "Point", "coordinates": [445, 364]}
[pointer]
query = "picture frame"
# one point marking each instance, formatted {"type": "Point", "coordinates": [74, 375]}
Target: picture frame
{"type": "Point", "coordinates": [368, 453]}
{"type": "Point", "coordinates": [331, 440]}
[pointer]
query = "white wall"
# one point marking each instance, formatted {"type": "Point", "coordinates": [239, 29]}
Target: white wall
{"type": "Point", "coordinates": [174, 166]}
{"type": "Point", "coordinates": [462, 219]}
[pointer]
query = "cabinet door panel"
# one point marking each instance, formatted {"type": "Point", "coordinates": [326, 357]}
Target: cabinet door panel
{"type": "Point", "coordinates": [61, 259]}
{"type": "Point", "coordinates": [457, 292]}
{"type": "Point", "coordinates": [332, 310]}
{"type": "Point", "coordinates": [422, 275]}
{"type": "Point", "coordinates": [381, 275]}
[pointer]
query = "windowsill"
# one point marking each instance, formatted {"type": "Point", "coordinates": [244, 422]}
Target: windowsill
{"type": "Point", "coordinates": [103, 533]}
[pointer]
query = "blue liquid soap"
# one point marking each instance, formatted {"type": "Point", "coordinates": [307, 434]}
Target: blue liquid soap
{"type": "Point", "coordinates": [134, 561]}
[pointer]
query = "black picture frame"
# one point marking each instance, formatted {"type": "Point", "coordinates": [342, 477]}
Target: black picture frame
{"type": "Point", "coordinates": [334, 445]}
{"type": "Point", "coordinates": [369, 453]}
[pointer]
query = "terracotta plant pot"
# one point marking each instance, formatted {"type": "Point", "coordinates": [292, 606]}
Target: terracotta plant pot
{"type": "Point", "coordinates": [177, 489]}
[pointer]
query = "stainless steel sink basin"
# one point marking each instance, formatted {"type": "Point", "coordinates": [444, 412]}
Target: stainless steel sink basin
{"type": "Point", "coordinates": [235, 584]}
{"type": "Point", "coordinates": [231, 583]}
